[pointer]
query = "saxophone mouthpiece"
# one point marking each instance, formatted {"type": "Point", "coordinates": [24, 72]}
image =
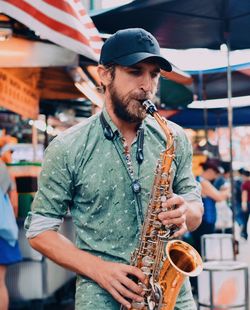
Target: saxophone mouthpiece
{"type": "Point", "coordinates": [149, 106]}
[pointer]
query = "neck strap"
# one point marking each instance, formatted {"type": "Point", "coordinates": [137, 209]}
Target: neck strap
{"type": "Point", "coordinates": [110, 135]}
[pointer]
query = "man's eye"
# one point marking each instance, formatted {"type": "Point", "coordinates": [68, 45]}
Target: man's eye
{"type": "Point", "coordinates": [135, 72]}
{"type": "Point", "coordinates": [155, 75]}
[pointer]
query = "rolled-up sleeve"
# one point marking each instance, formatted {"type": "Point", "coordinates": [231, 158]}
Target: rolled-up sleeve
{"type": "Point", "coordinates": [35, 224]}
{"type": "Point", "coordinates": [54, 194]}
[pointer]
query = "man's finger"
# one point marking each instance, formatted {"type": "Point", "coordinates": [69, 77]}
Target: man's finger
{"type": "Point", "coordinates": [179, 212]}
{"type": "Point", "coordinates": [121, 300]}
{"type": "Point", "coordinates": [132, 286]}
{"type": "Point", "coordinates": [174, 200]}
{"type": "Point", "coordinates": [122, 290]}
{"type": "Point", "coordinates": [134, 271]}
{"type": "Point", "coordinates": [176, 221]}
{"type": "Point", "coordinates": [180, 232]}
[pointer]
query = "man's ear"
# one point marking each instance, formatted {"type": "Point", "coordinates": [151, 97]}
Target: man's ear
{"type": "Point", "coordinates": [104, 75]}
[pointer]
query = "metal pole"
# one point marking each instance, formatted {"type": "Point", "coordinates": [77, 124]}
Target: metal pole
{"type": "Point", "coordinates": [230, 127]}
{"type": "Point", "coordinates": [46, 136]}
{"type": "Point", "coordinates": [34, 142]}
{"type": "Point", "coordinates": [202, 96]}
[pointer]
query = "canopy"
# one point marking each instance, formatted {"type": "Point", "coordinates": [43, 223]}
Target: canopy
{"type": "Point", "coordinates": [195, 118]}
{"type": "Point", "coordinates": [214, 85]}
{"type": "Point", "coordinates": [183, 24]}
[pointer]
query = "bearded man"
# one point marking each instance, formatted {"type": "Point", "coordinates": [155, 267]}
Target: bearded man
{"type": "Point", "coordinates": [103, 172]}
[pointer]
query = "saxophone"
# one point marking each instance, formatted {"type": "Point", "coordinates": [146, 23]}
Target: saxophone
{"type": "Point", "coordinates": [165, 262]}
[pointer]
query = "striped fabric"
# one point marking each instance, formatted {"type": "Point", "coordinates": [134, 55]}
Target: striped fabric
{"type": "Point", "coordinates": [64, 22]}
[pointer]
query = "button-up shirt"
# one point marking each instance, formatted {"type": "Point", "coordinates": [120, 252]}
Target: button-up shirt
{"type": "Point", "coordinates": [87, 174]}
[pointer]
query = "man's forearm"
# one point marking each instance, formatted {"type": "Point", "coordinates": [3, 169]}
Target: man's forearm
{"type": "Point", "coordinates": [63, 252]}
{"type": "Point", "coordinates": [194, 215]}
{"type": "Point", "coordinates": [113, 277]}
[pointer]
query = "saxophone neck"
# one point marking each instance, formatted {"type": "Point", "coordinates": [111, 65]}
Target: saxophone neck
{"type": "Point", "coordinates": [152, 110]}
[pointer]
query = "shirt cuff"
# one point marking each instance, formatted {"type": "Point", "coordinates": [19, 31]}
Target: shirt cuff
{"type": "Point", "coordinates": [193, 196]}
{"type": "Point", "coordinates": [35, 224]}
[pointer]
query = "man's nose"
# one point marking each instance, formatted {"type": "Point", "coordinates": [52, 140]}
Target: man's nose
{"type": "Point", "coordinates": [147, 83]}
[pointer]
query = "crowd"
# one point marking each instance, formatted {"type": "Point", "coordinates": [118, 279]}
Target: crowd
{"type": "Point", "coordinates": [216, 196]}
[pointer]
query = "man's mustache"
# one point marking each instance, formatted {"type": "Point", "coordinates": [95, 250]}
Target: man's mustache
{"type": "Point", "coordinates": [142, 97]}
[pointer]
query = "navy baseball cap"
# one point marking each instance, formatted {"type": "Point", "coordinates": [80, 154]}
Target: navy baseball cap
{"type": "Point", "coordinates": [129, 46]}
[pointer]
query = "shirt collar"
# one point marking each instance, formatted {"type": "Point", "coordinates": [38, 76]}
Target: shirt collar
{"type": "Point", "coordinates": [113, 126]}
{"type": "Point", "coordinates": [110, 122]}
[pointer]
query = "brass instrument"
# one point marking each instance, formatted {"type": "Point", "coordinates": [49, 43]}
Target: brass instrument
{"type": "Point", "coordinates": [165, 272]}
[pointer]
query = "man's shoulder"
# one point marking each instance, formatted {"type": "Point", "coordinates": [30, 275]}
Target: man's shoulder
{"type": "Point", "coordinates": [76, 138]}
{"type": "Point", "coordinates": [78, 132]}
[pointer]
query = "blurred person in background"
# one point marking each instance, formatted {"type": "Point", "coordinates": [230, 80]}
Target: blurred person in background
{"type": "Point", "coordinates": [224, 211]}
{"type": "Point", "coordinates": [224, 178]}
{"type": "Point", "coordinates": [239, 214]}
{"type": "Point", "coordinates": [210, 195]}
{"type": "Point", "coordinates": [245, 202]}
{"type": "Point", "coordinates": [9, 253]}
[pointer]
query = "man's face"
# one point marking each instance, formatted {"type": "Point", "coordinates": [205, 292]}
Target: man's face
{"type": "Point", "coordinates": [130, 87]}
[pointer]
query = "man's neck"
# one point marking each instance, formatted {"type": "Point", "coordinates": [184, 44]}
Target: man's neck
{"type": "Point", "coordinates": [128, 130]}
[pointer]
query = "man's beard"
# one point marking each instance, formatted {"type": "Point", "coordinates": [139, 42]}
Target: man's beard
{"type": "Point", "coordinates": [128, 110]}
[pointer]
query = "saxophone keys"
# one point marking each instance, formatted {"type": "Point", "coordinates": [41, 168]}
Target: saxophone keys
{"type": "Point", "coordinates": [138, 305]}
{"type": "Point", "coordinates": [166, 234]}
{"type": "Point", "coordinates": [146, 271]}
{"type": "Point", "coordinates": [144, 287]}
{"type": "Point", "coordinates": [147, 261]}
{"type": "Point", "coordinates": [153, 234]}
{"type": "Point", "coordinates": [157, 224]}
{"type": "Point", "coordinates": [150, 246]}
{"type": "Point", "coordinates": [163, 198]}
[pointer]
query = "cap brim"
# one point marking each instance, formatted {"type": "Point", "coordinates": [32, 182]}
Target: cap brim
{"type": "Point", "coordinates": [132, 59]}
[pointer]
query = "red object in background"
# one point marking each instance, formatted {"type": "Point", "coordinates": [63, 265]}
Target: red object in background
{"type": "Point", "coordinates": [65, 23]}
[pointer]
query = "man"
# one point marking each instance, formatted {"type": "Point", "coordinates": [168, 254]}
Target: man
{"type": "Point", "coordinates": [103, 172]}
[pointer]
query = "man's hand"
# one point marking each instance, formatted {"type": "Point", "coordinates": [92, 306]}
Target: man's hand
{"type": "Point", "coordinates": [114, 277]}
{"type": "Point", "coordinates": [175, 213]}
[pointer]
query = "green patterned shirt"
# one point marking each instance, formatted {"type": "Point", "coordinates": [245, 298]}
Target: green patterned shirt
{"type": "Point", "coordinates": [87, 174]}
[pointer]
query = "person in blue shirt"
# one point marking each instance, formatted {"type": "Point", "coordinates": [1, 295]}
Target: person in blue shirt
{"type": "Point", "coordinates": [223, 180]}
{"type": "Point", "coordinates": [9, 253]}
{"type": "Point", "coordinates": [210, 195]}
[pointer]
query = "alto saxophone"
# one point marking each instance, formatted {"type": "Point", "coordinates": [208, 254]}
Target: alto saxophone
{"type": "Point", "coordinates": [165, 262]}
